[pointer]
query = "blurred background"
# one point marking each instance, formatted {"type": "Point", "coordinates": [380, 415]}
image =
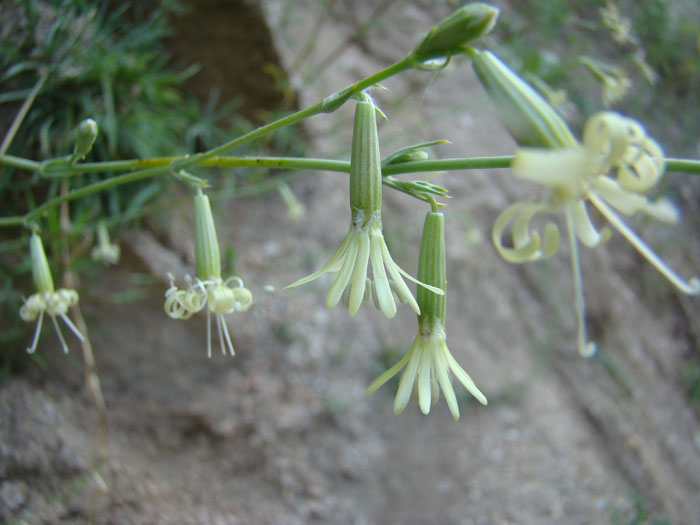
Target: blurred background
{"type": "Point", "coordinates": [282, 432]}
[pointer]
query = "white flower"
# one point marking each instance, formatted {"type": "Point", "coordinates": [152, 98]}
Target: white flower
{"type": "Point", "coordinates": [427, 371]}
{"type": "Point", "coordinates": [363, 245]}
{"type": "Point", "coordinates": [221, 298]}
{"type": "Point", "coordinates": [47, 299]}
{"type": "Point", "coordinates": [616, 163]}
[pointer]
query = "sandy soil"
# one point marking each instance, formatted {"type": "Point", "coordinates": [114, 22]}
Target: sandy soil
{"type": "Point", "coordinates": [282, 433]}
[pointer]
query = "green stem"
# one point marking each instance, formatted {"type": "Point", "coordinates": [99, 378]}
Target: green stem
{"type": "Point", "coordinates": [683, 165]}
{"type": "Point", "coordinates": [17, 122]}
{"type": "Point", "coordinates": [94, 188]}
{"type": "Point", "coordinates": [327, 105]}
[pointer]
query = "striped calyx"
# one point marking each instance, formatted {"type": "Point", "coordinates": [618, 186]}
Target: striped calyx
{"type": "Point", "coordinates": [431, 270]}
{"type": "Point", "coordinates": [40, 265]}
{"type": "Point", "coordinates": [365, 165]}
{"type": "Point", "coordinates": [206, 246]}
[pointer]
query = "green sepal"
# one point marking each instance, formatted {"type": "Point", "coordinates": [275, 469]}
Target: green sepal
{"type": "Point", "coordinates": [206, 245]}
{"type": "Point", "coordinates": [41, 272]}
{"type": "Point", "coordinates": [431, 269]}
{"type": "Point", "coordinates": [365, 164]}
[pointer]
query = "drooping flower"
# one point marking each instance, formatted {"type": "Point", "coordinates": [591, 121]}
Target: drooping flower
{"type": "Point", "coordinates": [364, 243]}
{"type": "Point", "coordinates": [427, 366]}
{"type": "Point", "coordinates": [612, 168]}
{"type": "Point", "coordinates": [105, 251]}
{"type": "Point", "coordinates": [47, 299]}
{"type": "Point", "coordinates": [208, 289]}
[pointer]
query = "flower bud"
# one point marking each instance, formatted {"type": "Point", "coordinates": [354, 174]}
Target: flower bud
{"type": "Point", "coordinates": [530, 119]}
{"type": "Point", "coordinates": [87, 133]}
{"type": "Point", "coordinates": [457, 30]}
{"type": "Point", "coordinates": [206, 246]}
{"type": "Point", "coordinates": [431, 269]}
{"type": "Point", "coordinates": [40, 265]}
{"type": "Point", "coordinates": [365, 165]}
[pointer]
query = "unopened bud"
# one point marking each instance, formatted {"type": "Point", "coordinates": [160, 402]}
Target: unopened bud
{"type": "Point", "coordinates": [456, 31]}
{"type": "Point", "coordinates": [530, 119]}
{"type": "Point", "coordinates": [87, 133]}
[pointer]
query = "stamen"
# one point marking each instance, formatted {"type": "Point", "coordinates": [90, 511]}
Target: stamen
{"type": "Point", "coordinates": [692, 287]}
{"type": "Point", "coordinates": [37, 331]}
{"type": "Point", "coordinates": [208, 333]}
{"type": "Point", "coordinates": [585, 348]}
{"type": "Point", "coordinates": [72, 327]}
{"type": "Point", "coordinates": [59, 334]}
{"type": "Point", "coordinates": [226, 335]}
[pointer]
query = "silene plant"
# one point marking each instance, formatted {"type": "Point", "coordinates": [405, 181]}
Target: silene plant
{"type": "Point", "coordinates": [611, 167]}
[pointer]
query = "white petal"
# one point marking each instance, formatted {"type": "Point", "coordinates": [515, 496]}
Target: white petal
{"type": "Point", "coordinates": [359, 276]}
{"type": "Point", "coordinates": [343, 278]}
{"type": "Point", "coordinates": [553, 168]}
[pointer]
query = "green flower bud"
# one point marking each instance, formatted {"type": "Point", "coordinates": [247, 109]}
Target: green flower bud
{"type": "Point", "coordinates": [365, 164]}
{"type": "Point", "coordinates": [87, 133]}
{"type": "Point", "coordinates": [530, 119]}
{"type": "Point", "coordinates": [431, 270]}
{"type": "Point", "coordinates": [206, 246]}
{"type": "Point", "coordinates": [456, 31]}
{"type": "Point", "coordinates": [40, 265]}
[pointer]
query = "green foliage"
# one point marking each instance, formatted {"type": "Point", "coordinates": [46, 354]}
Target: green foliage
{"type": "Point", "coordinates": [102, 65]}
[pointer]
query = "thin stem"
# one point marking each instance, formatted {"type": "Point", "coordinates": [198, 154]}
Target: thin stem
{"type": "Point", "coordinates": [94, 188]}
{"type": "Point", "coordinates": [683, 165]}
{"type": "Point", "coordinates": [19, 118]}
{"type": "Point", "coordinates": [327, 105]}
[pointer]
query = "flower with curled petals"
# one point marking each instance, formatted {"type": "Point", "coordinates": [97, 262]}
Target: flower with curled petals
{"type": "Point", "coordinates": [364, 243]}
{"type": "Point", "coordinates": [221, 297]}
{"type": "Point", "coordinates": [612, 168]}
{"type": "Point", "coordinates": [47, 299]}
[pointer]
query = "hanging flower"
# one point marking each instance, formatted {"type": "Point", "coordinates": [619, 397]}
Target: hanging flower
{"type": "Point", "coordinates": [105, 251]}
{"type": "Point", "coordinates": [611, 169]}
{"type": "Point", "coordinates": [208, 289]}
{"type": "Point", "coordinates": [427, 366]}
{"type": "Point", "coordinates": [364, 243]}
{"type": "Point", "coordinates": [47, 299]}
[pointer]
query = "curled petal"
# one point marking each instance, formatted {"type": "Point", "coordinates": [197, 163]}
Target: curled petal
{"type": "Point", "coordinates": [32, 307]}
{"type": "Point", "coordinates": [585, 230]}
{"type": "Point", "coordinates": [630, 203]}
{"type": "Point", "coordinates": [527, 244]}
{"type": "Point", "coordinates": [607, 135]}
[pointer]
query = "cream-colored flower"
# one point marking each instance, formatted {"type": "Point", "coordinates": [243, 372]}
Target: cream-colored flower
{"type": "Point", "coordinates": [364, 245]}
{"type": "Point", "coordinates": [208, 289]}
{"type": "Point", "coordinates": [611, 169]}
{"type": "Point", "coordinates": [221, 298]}
{"type": "Point", "coordinates": [426, 371]}
{"type": "Point", "coordinates": [47, 299]}
{"type": "Point", "coordinates": [105, 251]}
